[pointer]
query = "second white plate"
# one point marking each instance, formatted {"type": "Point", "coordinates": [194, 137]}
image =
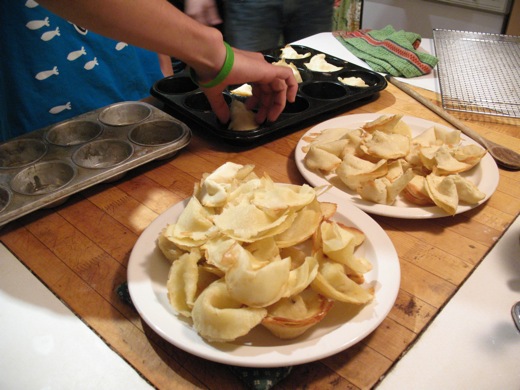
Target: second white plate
{"type": "Point", "coordinates": [485, 175]}
{"type": "Point", "coordinates": [342, 327]}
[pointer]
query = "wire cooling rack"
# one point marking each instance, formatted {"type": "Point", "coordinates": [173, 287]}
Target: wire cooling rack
{"type": "Point", "coordinates": [479, 73]}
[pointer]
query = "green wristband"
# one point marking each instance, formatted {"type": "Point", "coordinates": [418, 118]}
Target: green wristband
{"type": "Point", "coordinates": [224, 71]}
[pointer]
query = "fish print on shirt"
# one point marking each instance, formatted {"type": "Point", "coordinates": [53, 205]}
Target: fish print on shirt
{"type": "Point", "coordinates": [121, 45]}
{"type": "Point", "coordinates": [91, 64]}
{"type": "Point", "coordinates": [50, 34]}
{"type": "Point", "coordinates": [37, 24]}
{"type": "Point", "coordinates": [74, 55]}
{"type": "Point", "coordinates": [31, 4]}
{"type": "Point", "coordinates": [58, 109]}
{"type": "Point", "coordinates": [47, 73]}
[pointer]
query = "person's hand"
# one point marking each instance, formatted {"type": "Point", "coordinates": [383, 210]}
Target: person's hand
{"type": "Point", "coordinates": [272, 87]}
{"type": "Point", "coordinates": [203, 11]}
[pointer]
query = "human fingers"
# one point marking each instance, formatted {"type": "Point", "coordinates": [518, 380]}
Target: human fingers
{"type": "Point", "coordinates": [272, 101]}
{"type": "Point", "coordinates": [218, 104]}
{"type": "Point", "coordinates": [291, 86]}
{"type": "Point", "coordinates": [282, 81]}
{"type": "Point", "coordinates": [271, 94]}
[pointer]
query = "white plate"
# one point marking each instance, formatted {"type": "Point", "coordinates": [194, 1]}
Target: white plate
{"type": "Point", "coordinates": [341, 328]}
{"type": "Point", "coordinates": [485, 175]}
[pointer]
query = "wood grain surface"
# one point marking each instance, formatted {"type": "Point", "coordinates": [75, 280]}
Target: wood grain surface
{"type": "Point", "coordinates": [80, 251]}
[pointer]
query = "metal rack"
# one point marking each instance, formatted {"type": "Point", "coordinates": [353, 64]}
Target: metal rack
{"type": "Point", "coordinates": [479, 73]}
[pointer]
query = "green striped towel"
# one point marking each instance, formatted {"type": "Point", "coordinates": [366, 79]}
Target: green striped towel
{"type": "Point", "coordinates": [389, 51]}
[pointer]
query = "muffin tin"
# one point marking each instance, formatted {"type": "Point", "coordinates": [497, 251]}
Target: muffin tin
{"type": "Point", "coordinates": [43, 168]}
{"type": "Point", "coordinates": [319, 93]}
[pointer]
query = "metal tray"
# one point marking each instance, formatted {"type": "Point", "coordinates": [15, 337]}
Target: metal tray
{"type": "Point", "coordinates": [479, 72]}
{"type": "Point", "coordinates": [319, 93]}
{"type": "Point", "coordinates": [43, 168]}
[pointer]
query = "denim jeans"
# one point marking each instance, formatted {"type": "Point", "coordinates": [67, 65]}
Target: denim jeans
{"type": "Point", "coordinates": [264, 24]}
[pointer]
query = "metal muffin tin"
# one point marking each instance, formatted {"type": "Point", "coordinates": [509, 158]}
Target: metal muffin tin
{"type": "Point", "coordinates": [319, 93]}
{"type": "Point", "coordinates": [43, 168]}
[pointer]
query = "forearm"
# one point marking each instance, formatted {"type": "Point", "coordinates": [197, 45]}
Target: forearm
{"type": "Point", "coordinates": [152, 24]}
{"type": "Point", "coordinates": [158, 26]}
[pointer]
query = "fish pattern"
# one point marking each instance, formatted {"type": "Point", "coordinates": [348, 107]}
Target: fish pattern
{"type": "Point", "coordinates": [31, 4]}
{"type": "Point", "coordinates": [37, 24]}
{"type": "Point", "coordinates": [47, 36]}
{"type": "Point", "coordinates": [74, 55]}
{"type": "Point", "coordinates": [58, 109]}
{"type": "Point", "coordinates": [45, 74]}
{"type": "Point", "coordinates": [48, 33]}
{"type": "Point", "coordinates": [58, 70]}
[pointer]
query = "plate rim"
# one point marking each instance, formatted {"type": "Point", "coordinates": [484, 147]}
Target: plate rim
{"type": "Point", "coordinates": [145, 302]}
{"type": "Point", "coordinates": [490, 173]}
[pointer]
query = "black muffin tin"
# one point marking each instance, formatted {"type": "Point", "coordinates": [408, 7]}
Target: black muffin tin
{"type": "Point", "coordinates": [319, 93]}
{"type": "Point", "coordinates": [43, 168]}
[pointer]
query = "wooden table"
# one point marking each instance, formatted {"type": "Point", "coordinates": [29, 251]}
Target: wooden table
{"type": "Point", "coordinates": [80, 250]}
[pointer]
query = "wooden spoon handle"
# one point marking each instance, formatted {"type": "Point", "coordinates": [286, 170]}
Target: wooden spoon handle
{"type": "Point", "coordinates": [439, 111]}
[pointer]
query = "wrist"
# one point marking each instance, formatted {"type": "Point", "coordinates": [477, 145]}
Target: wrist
{"type": "Point", "coordinates": [222, 74]}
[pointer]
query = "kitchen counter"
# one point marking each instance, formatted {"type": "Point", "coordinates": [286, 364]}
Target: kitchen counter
{"type": "Point", "coordinates": [473, 342]}
{"type": "Point", "coordinates": [46, 346]}
{"type": "Point", "coordinates": [75, 257]}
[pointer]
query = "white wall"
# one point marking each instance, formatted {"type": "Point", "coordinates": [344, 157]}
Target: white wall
{"type": "Point", "coordinates": [422, 17]}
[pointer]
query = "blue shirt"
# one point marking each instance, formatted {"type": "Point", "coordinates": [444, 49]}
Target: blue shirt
{"type": "Point", "coordinates": [52, 70]}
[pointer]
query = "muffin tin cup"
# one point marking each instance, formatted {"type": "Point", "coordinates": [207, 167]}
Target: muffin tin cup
{"type": "Point", "coordinates": [73, 132]}
{"type": "Point", "coordinates": [319, 95]}
{"type": "Point", "coordinates": [43, 168]}
{"type": "Point", "coordinates": [5, 197]}
{"type": "Point", "coordinates": [19, 153]}
{"type": "Point", "coordinates": [43, 178]}
{"type": "Point", "coordinates": [103, 154]}
{"type": "Point", "coordinates": [125, 114]}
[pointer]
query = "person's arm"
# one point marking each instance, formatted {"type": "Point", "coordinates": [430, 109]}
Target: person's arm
{"type": "Point", "coordinates": [158, 26]}
{"type": "Point", "coordinates": [152, 24]}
